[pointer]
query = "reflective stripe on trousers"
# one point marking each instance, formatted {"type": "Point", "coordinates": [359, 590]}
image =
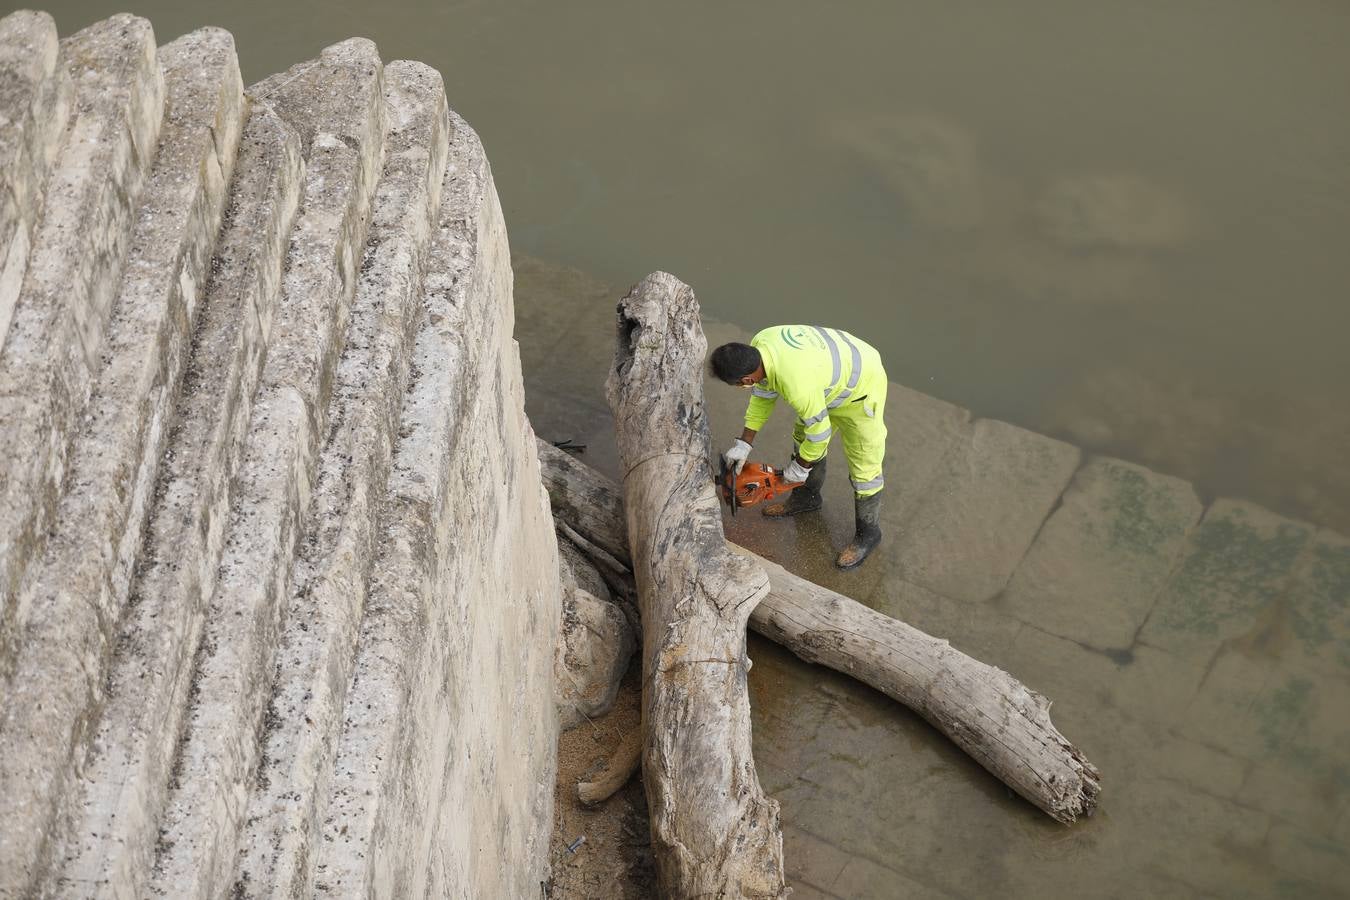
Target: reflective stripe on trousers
{"type": "Point", "coordinates": [862, 428]}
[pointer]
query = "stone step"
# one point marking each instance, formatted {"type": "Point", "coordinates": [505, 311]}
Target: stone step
{"type": "Point", "coordinates": [35, 103]}
{"type": "Point", "coordinates": [432, 667]}
{"type": "Point", "coordinates": [75, 589]}
{"type": "Point", "coordinates": [1096, 568]}
{"type": "Point", "coordinates": [329, 584]}
{"type": "Point", "coordinates": [126, 779]}
{"type": "Point", "coordinates": [921, 432]}
{"type": "Point", "coordinates": [232, 680]}
{"type": "Point", "coordinates": [972, 524]}
{"type": "Point", "coordinates": [1319, 603]}
{"type": "Point", "coordinates": [52, 349]}
{"type": "Point", "coordinates": [1236, 563]}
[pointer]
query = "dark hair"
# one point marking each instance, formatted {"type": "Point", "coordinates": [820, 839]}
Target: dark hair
{"type": "Point", "coordinates": [732, 362]}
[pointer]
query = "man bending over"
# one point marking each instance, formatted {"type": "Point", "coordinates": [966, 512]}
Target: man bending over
{"type": "Point", "coordinates": [835, 383]}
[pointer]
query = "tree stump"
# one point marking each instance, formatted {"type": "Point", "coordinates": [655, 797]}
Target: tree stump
{"type": "Point", "coordinates": [714, 832]}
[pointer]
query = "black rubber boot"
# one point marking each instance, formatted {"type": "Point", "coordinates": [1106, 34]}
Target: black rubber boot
{"type": "Point", "coordinates": [867, 511]}
{"type": "Point", "coordinates": [803, 499]}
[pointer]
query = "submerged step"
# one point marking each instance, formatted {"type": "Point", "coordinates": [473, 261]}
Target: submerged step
{"type": "Point", "coordinates": [35, 102]}
{"type": "Point", "coordinates": [1101, 558]}
{"type": "Point", "coordinates": [74, 591]}
{"type": "Point", "coordinates": [52, 348]}
{"type": "Point", "coordinates": [231, 684]}
{"type": "Point", "coordinates": [1235, 565]}
{"type": "Point", "coordinates": [126, 780]}
{"type": "Point", "coordinates": [973, 523]}
{"type": "Point", "coordinates": [329, 584]}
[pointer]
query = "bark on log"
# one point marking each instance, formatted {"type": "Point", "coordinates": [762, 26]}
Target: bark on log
{"type": "Point", "coordinates": [991, 715]}
{"type": "Point", "coordinates": [714, 832]}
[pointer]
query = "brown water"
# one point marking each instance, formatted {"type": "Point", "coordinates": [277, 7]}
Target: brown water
{"type": "Point", "coordinates": [1123, 224]}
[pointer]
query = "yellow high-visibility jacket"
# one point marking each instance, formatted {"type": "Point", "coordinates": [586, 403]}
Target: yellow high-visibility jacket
{"type": "Point", "coordinates": [816, 370]}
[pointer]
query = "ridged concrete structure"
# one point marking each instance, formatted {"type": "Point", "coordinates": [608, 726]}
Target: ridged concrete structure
{"type": "Point", "coordinates": [279, 583]}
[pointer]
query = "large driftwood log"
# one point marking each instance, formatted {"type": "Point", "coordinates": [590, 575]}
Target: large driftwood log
{"type": "Point", "coordinates": [714, 832]}
{"type": "Point", "coordinates": [1004, 725]}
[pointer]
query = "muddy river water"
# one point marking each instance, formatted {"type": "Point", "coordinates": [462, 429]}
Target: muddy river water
{"type": "Point", "coordinates": [1124, 225]}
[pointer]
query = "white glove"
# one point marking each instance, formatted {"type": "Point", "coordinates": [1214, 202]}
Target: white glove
{"type": "Point", "coordinates": [737, 455]}
{"type": "Point", "coordinates": [795, 472]}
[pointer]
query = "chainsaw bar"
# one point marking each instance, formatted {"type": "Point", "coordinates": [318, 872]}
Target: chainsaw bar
{"type": "Point", "coordinates": [722, 483]}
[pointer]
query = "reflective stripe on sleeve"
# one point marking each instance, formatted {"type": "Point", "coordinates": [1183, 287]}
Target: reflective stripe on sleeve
{"type": "Point", "coordinates": [819, 417]}
{"type": "Point", "coordinates": [766, 395]}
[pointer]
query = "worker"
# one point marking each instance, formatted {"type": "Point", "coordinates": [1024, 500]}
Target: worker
{"type": "Point", "coordinates": [834, 382]}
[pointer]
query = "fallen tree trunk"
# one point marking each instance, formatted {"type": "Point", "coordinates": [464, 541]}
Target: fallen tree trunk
{"type": "Point", "coordinates": [714, 832]}
{"type": "Point", "coordinates": [1000, 722]}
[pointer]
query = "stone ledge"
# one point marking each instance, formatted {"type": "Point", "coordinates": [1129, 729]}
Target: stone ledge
{"type": "Point", "coordinates": [127, 779]}
{"type": "Point", "coordinates": [76, 588]}
{"type": "Point", "coordinates": [35, 102]}
{"type": "Point", "coordinates": [979, 514]}
{"type": "Point", "coordinates": [289, 420]}
{"type": "Point", "coordinates": [51, 350]}
{"type": "Point", "coordinates": [1096, 567]}
{"type": "Point", "coordinates": [444, 614]}
{"type": "Point", "coordinates": [332, 573]}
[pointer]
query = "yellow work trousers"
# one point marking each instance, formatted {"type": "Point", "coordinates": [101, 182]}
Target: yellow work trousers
{"type": "Point", "coordinates": [861, 426]}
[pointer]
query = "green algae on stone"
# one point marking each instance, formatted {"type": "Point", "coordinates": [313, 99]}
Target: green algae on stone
{"type": "Point", "coordinates": [1320, 599]}
{"type": "Point", "coordinates": [1097, 565]}
{"type": "Point", "coordinates": [1148, 514]}
{"type": "Point", "coordinates": [1280, 715]}
{"type": "Point", "coordinates": [1238, 563]}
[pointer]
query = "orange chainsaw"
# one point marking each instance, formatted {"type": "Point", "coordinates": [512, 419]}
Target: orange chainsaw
{"type": "Point", "coordinates": [756, 483]}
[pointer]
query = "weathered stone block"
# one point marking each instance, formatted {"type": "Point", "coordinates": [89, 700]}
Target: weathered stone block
{"type": "Point", "coordinates": [439, 653]}
{"type": "Point", "coordinates": [813, 860]}
{"type": "Point", "coordinates": [1156, 685]}
{"type": "Point", "coordinates": [1097, 565]}
{"type": "Point", "coordinates": [205, 813]}
{"type": "Point", "coordinates": [1310, 856]}
{"type": "Point", "coordinates": [1236, 564]}
{"type": "Point", "coordinates": [331, 577]}
{"type": "Point", "coordinates": [1285, 790]}
{"type": "Point", "coordinates": [1207, 843]}
{"type": "Point", "coordinates": [972, 525]}
{"type": "Point", "coordinates": [1078, 677]}
{"type": "Point", "coordinates": [75, 591]}
{"type": "Point", "coordinates": [1188, 762]}
{"type": "Point", "coordinates": [35, 101]}
{"type": "Point", "coordinates": [1318, 601]}
{"type": "Point", "coordinates": [921, 431]}
{"type": "Point", "coordinates": [1222, 713]}
{"type": "Point", "coordinates": [127, 777]}
{"type": "Point", "coordinates": [50, 352]}
{"type": "Point", "coordinates": [979, 629]}
{"type": "Point", "coordinates": [863, 877]}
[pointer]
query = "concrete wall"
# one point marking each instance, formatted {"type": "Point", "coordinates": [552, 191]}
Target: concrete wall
{"type": "Point", "coordinates": [278, 582]}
